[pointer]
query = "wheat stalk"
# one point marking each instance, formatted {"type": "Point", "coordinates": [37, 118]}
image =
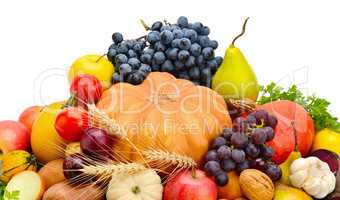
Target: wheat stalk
{"type": "Point", "coordinates": [244, 105]}
{"type": "Point", "coordinates": [158, 157]}
{"type": "Point", "coordinates": [177, 160]}
{"type": "Point", "coordinates": [101, 119]}
{"type": "Point", "coordinates": [108, 170]}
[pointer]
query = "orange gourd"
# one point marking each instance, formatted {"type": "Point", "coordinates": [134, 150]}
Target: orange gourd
{"type": "Point", "coordinates": [166, 113]}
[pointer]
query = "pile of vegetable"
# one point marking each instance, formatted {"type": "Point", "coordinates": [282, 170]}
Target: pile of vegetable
{"type": "Point", "coordinates": [162, 117]}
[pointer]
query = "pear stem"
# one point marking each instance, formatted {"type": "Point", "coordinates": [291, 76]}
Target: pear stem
{"type": "Point", "coordinates": [243, 31]}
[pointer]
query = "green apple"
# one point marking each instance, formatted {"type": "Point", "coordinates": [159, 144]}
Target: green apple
{"type": "Point", "coordinates": [95, 65]}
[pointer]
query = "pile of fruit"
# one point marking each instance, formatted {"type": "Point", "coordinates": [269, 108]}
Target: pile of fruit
{"type": "Point", "coordinates": [162, 117]}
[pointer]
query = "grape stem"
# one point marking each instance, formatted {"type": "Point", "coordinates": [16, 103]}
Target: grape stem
{"type": "Point", "coordinates": [146, 27]}
{"type": "Point", "coordinates": [141, 37]}
{"type": "Point", "coordinates": [166, 22]}
{"type": "Point", "coordinates": [243, 31]}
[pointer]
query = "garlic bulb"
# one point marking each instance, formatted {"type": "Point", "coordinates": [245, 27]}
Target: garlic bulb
{"type": "Point", "coordinates": [313, 175]}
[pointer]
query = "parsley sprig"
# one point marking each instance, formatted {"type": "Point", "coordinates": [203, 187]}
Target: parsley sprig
{"type": "Point", "coordinates": [317, 107]}
{"type": "Point", "coordinates": [2, 190]}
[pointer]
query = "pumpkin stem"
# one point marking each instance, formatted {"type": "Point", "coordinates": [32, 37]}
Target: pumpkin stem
{"type": "Point", "coordinates": [32, 161]}
{"type": "Point", "coordinates": [136, 190]}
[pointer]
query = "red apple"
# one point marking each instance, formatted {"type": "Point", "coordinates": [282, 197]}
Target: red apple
{"type": "Point", "coordinates": [190, 185]}
{"type": "Point", "coordinates": [13, 136]}
{"type": "Point", "coordinates": [295, 127]}
{"type": "Point", "coordinates": [29, 115]}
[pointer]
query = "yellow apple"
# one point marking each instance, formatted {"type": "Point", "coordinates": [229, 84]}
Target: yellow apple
{"type": "Point", "coordinates": [46, 143]}
{"type": "Point", "coordinates": [95, 65]}
{"type": "Point", "coordinates": [284, 192]}
{"type": "Point", "coordinates": [327, 139]}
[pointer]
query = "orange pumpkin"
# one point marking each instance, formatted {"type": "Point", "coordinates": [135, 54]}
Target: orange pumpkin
{"type": "Point", "coordinates": [167, 113]}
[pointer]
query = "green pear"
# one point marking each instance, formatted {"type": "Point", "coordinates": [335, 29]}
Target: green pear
{"type": "Point", "coordinates": [284, 192]}
{"type": "Point", "coordinates": [285, 166]}
{"type": "Point", "coordinates": [235, 79]}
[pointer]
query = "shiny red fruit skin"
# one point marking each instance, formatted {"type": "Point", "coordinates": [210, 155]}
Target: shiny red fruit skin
{"type": "Point", "coordinates": [29, 115]}
{"type": "Point", "coordinates": [71, 123]}
{"type": "Point", "coordinates": [87, 89]}
{"type": "Point", "coordinates": [283, 143]}
{"type": "Point", "coordinates": [186, 186]}
{"type": "Point", "coordinates": [294, 125]}
{"type": "Point", "coordinates": [13, 136]}
{"type": "Point", "coordinates": [96, 143]}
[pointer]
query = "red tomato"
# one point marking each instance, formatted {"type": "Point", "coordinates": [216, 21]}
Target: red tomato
{"type": "Point", "coordinates": [71, 123]}
{"type": "Point", "coordinates": [87, 89]}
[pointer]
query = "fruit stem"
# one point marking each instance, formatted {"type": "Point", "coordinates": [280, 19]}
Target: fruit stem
{"type": "Point", "coordinates": [71, 101]}
{"type": "Point", "coordinates": [136, 190]}
{"type": "Point", "coordinates": [102, 56]}
{"type": "Point", "coordinates": [194, 174]}
{"type": "Point", "coordinates": [146, 27]}
{"type": "Point", "coordinates": [166, 22]}
{"type": "Point", "coordinates": [242, 33]}
{"type": "Point", "coordinates": [141, 37]}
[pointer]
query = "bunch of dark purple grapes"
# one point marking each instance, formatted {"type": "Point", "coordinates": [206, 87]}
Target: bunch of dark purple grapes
{"type": "Point", "coordinates": [242, 147]}
{"type": "Point", "coordinates": [125, 56]}
{"type": "Point", "coordinates": [183, 49]}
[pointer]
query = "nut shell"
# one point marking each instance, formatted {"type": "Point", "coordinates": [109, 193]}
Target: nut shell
{"type": "Point", "coordinates": [256, 185]}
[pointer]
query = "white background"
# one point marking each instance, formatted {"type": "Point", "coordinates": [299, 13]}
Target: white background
{"type": "Point", "coordinates": [286, 41]}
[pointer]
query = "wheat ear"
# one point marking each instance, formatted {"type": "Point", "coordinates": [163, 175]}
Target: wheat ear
{"type": "Point", "coordinates": [165, 157]}
{"type": "Point", "coordinates": [108, 170]}
{"type": "Point", "coordinates": [101, 119]}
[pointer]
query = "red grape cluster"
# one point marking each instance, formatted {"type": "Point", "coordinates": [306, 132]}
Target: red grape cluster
{"type": "Point", "coordinates": [242, 147]}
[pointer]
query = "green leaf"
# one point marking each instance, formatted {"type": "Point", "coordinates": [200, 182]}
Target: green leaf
{"type": "Point", "coordinates": [317, 107]}
{"type": "Point", "coordinates": [2, 190]}
{"type": "Point", "coordinates": [14, 195]}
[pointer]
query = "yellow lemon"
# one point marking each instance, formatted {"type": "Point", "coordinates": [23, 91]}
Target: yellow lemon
{"type": "Point", "coordinates": [327, 139]}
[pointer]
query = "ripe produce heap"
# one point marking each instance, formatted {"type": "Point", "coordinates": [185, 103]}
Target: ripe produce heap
{"type": "Point", "coordinates": [161, 117]}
